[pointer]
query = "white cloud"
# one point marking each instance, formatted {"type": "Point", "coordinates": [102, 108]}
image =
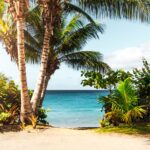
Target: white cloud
{"type": "Point", "coordinates": [129, 58]}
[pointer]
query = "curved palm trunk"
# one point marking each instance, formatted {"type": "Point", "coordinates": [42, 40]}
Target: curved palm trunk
{"type": "Point", "coordinates": [45, 84]}
{"type": "Point", "coordinates": [26, 109]}
{"type": "Point", "coordinates": [37, 92]}
{"type": "Point", "coordinates": [52, 66]}
{"type": "Point", "coordinates": [51, 17]}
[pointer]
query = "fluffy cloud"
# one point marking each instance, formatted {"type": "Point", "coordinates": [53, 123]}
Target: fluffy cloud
{"type": "Point", "coordinates": [128, 58]}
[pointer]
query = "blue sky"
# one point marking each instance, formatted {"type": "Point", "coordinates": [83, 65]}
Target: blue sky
{"type": "Point", "coordinates": [123, 45]}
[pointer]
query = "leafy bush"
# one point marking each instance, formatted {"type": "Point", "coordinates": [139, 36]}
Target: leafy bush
{"type": "Point", "coordinates": [107, 81]}
{"type": "Point", "coordinates": [104, 123]}
{"type": "Point", "coordinates": [42, 115]}
{"type": "Point", "coordinates": [10, 103]}
{"type": "Point", "coordinates": [127, 102]}
{"type": "Point", "coordinates": [141, 79]}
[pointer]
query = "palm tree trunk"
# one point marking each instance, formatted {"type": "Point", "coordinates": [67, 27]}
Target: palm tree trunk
{"type": "Point", "coordinates": [52, 66]}
{"type": "Point", "coordinates": [45, 84]}
{"type": "Point", "coordinates": [26, 109]}
{"type": "Point", "coordinates": [38, 90]}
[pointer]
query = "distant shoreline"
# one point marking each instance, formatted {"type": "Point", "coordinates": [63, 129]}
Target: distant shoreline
{"type": "Point", "coordinates": [78, 90]}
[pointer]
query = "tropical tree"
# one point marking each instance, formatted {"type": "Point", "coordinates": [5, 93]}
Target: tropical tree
{"type": "Point", "coordinates": [124, 104]}
{"type": "Point", "coordinates": [66, 45]}
{"type": "Point", "coordinates": [51, 10]}
{"type": "Point", "coordinates": [18, 10]}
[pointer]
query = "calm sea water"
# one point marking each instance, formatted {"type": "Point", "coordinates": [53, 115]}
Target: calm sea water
{"type": "Point", "coordinates": [74, 108]}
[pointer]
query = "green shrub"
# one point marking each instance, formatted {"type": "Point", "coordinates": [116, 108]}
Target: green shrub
{"type": "Point", "coordinates": [10, 103]}
{"type": "Point", "coordinates": [4, 117]}
{"type": "Point", "coordinates": [141, 79]}
{"type": "Point", "coordinates": [43, 115]}
{"type": "Point", "coordinates": [127, 102]}
{"type": "Point", "coordinates": [104, 123]}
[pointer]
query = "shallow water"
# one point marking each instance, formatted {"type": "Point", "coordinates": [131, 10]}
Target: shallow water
{"type": "Point", "coordinates": [74, 108]}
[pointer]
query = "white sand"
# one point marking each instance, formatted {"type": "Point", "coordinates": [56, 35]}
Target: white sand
{"type": "Point", "coordinates": [67, 139]}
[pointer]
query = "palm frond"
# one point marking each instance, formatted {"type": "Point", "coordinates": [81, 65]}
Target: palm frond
{"type": "Point", "coordinates": [32, 54]}
{"type": "Point", "coordinates": [134, 113]}
{"type": "Point", "coordinates": [29, 38]}
{"type": "Point", "coordinates": [85, 60]}
{"type": "Point", "coordinates": [74, 24]}
{"type": "Point", "coordinates": [124, 103]}
{"type": "Point", "coordinates": [71, 8]}
{"type": "Point", "coordinates": [34, 19]}
{"type": "Point", "coordinates": [76, 40]}
{"type": "Point", "coordinates": [128, 9]}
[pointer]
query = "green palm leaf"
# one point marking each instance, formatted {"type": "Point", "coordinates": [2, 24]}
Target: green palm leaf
{"type": "Point", "coordinates": [85, 60]}
{"type": "Point", "coordinates": [76, 40]}
{"type": "Point", "coordinates": [70, 8]}
{"type": "Point", "coordinates": [128, 9]}
{"type": "Point", "coordinates": [124, 103]}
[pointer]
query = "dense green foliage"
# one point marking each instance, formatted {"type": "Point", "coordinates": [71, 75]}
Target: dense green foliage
{"type": "Point", "coordinates": [10, 103]}
{"type": "Point", "coordinates": [129, 97]}
{"type": "Point", "coordinates": [141, 79]}
{"type": "Point", "coordinates": [107, 80]}
{"type": "Point", "coordinates": [124, 104]}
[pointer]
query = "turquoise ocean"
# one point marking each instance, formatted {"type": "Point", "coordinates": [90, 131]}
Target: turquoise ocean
{"type": "Point", "coordinates": [72, 109]}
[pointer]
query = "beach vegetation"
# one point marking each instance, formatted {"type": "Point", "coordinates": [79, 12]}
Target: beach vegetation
{"type": "Point", "coordinates": [141, 79]}
{"type": "Point", "coordinates": [10, 101]}
{"type": "Point", "coordinates": [123, 104]}
{"type": "Point", "coordinates": [136, 129]}
{"type": "Point", "coordinates": [128, 100]}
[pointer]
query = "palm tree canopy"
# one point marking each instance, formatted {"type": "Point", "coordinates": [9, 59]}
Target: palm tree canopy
{"type": "Point", "coordinates": [129, 9]}
{"type": "Point", "coordinates": [68, 41]}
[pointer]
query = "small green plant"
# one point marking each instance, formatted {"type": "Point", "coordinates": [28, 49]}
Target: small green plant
{"type": "Point", "coordinates": [42, 115]}
{"type": "Point", "coordinates": [4, 117]}
{"type": "Point", "coordinates": [124, 105]}
{"type": "Point", "coordinates": [104, 123]}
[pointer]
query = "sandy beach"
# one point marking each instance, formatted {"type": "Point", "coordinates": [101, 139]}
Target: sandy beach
{"type": "Point", "coordinates": [69, 139]}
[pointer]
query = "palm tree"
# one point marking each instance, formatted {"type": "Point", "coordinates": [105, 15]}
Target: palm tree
{"type": "Point", "coordinates": [52, 9]}
{"type": "Point", "coordinates": [66, 45]}
{"type": "Point", "coordinates": [18, 11]}
{"type": "Point", "coordinates": [124, 104]}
